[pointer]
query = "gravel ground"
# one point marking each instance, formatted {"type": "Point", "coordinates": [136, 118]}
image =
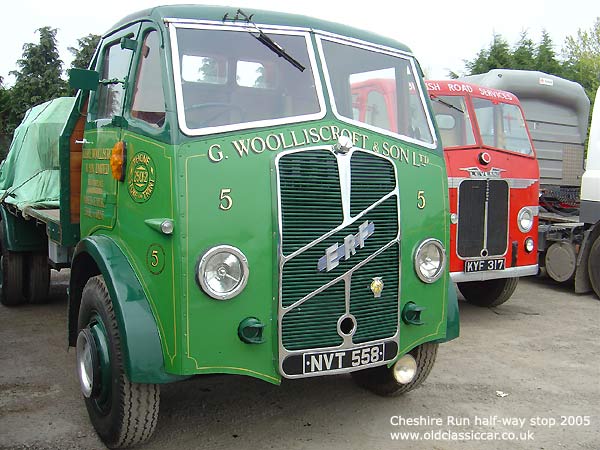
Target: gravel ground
{"type": "Point", "coordinates": [523, 375]}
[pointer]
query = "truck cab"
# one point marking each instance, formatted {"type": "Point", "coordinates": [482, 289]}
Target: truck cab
{"type": "Point", "coordinates": [223, 211]}
{"type": "Point", "coordinates": [493, 179]}
{"type": "Point", "coordinates": [557, 112]}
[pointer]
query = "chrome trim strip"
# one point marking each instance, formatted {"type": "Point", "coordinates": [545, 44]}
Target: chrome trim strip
{"type": "Point", "coordinates": [513, 183]}
{"type": "Point", "coordinates": [209, 25]}
{"type": "Point", "coordinates": [263, 26]}
{"type": "Point", "coordinates": [347, 277]}
{"type": "Point", "coordinates": [433, 145]}
{"type": "Point", "coordinates": [511, 272]}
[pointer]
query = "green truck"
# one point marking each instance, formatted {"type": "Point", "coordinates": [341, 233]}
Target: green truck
{"type": "Point", "coordinates": [223, 209]}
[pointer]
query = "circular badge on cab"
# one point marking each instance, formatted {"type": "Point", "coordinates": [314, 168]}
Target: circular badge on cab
{"type": "Point", "coordinates": [141, 177]}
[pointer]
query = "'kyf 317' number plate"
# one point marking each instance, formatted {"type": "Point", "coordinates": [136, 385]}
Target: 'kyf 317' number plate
{"type": "Point", "coordinates": [343, 359]}
{"type": "Point", "coordinates": [482, 265]}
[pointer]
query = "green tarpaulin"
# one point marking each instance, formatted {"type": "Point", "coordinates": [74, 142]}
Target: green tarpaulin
{"type": "Point", "coordinates": [30, 175]}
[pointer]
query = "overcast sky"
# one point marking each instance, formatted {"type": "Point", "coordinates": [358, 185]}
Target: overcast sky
{"type": "Point", "coordinates": [441, 33]}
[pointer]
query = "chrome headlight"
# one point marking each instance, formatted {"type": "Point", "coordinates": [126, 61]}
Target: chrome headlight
{"type": "Point", "coordinates": [525, 219]}
{"type": "Point", "coordinates": [430, 258]}
{"type": "Point", "coordinates": [222, 272]}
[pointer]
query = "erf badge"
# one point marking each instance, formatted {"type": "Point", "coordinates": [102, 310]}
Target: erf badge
{"type": "Point", "coordinates": [376, 287]}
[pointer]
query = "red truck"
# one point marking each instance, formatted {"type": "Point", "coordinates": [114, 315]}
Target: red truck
{"type": "Point", "coordinates": [493, 181]}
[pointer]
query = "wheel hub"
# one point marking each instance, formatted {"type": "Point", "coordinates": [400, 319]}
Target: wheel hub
{"type": "Point", "coordinates": [87, 362]}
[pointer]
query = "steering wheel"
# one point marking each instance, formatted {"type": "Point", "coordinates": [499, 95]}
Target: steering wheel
{"type": "Point", "coordinates": [224, 109]}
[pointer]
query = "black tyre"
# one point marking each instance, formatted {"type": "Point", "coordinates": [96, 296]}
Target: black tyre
{"type": "Point", "coordinates": [11, 275]}
{"type": "Point", "coordinates": [37, 278]}
{"type": "Point", "coordinates": [123, 413]}
{"type": "Point", "coordinates": [594, 266]}
{"type": "Point", "coordinates": [381, 381]}
{"type": "Point", "coordinates": [490, 292]}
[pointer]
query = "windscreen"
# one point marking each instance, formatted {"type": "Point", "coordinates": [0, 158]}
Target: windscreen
{"type": "Point", "coordinates": [454, 123]}
{"type": "Point", "coordinates": [230, 78]}
{"type": "Point", "coordinates": [376, 89]}
{"type": "Point", "coordinates": [502, 126]}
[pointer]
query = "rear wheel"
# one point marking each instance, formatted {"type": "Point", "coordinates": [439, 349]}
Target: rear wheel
{"type": "Point", "coordinates": [37, 278]}
{"type": "Point", "coordinates": [381, 380]}
{"type": "Point", "coordinates": [11, 275]}
{"type": "Point", "coordinates": [123, 413]}
{"type": "Point", "coordinates": [490, 292]}
{"type": "Point", "coordinates": [594, 266]}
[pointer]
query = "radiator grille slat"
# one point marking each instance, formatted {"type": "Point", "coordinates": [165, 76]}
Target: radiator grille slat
{"type": "Point", "coordinates": [497, 217]}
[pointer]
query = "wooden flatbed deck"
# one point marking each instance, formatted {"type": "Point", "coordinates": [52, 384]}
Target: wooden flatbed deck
{"type": "Point", "coordinates": [44, 215]}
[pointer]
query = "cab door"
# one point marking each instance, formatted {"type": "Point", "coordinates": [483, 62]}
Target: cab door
{"type": "Point", "coordinates": [104, 128]}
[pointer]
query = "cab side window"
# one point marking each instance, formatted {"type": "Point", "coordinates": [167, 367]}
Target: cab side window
{"type": "Point", "coordinates": [115, 66]}
{"type": "Point", "coordinates": [148, 98]}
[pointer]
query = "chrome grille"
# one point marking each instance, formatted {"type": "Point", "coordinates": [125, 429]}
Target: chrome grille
{"type": "Point", "coordinates": [482, 218]}
{"type": "Point", "coordinates": [311, 200]}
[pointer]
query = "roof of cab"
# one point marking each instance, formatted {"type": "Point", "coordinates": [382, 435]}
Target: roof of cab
{"type": "Point", "coordinates": [217, 13]}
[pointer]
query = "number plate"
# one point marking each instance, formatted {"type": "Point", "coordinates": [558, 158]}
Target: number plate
{"type": "Point", "coordinates": [343, 359]}
{"type": "Point", "coordinates": [483, 265]}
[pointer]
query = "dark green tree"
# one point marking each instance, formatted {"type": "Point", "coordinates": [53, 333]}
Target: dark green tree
{"type": "Point", "coordinates": [4, 107]}
{"type": "Point", "coordinates": [523, 54]}
{"type": "Point", "coordinates": [497, 56]}
{"type": "Point", "coordinates": [38, 78]}
{"type": "Point", "coordinates": [83, 53]}
{"type": "Point", "coordinates": [545, 57]}
{"type": "Point", "coordinates": [582, 58]}
{"type": "Point", "coordinates": [4, 113]}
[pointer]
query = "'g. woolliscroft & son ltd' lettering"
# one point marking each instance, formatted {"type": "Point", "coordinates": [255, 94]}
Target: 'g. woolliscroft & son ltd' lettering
{"type": "Point", "coordinates": [329, 133]}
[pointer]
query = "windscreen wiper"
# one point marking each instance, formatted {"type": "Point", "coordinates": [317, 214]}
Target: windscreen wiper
{"type": "Point", "coordinates": [449, 105]}
{"type": "Point", "coordinates": [265, 40]}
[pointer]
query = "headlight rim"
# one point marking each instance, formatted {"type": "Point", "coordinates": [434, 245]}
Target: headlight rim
{"type": "Point", "coordinates": [522, 211]}
{"type": "Point", "coordinates": [201, 269]}
{"type": "Point", "coordinates": [440, 270]}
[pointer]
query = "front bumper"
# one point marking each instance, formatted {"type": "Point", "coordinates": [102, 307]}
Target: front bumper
{"type": "Point", "coordinates": [511, 272]}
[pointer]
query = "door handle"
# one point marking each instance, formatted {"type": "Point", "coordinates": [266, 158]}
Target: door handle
{"type": "Point", "coordinates": [82, 141]}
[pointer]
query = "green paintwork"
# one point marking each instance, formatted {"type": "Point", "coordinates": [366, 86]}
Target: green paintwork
{"type": "Point", "coordinates": [86, 80]}
{"type": "Point", "coordinates": [22, 235]}
{"type": "Point", "coordinates": [168, 325]}
{"type": "Point", "coordinates": [453, 324]}
{"type": "Point", "coordinates": [137, 326]}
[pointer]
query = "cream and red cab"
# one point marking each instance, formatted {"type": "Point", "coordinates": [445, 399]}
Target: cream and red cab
{"type": "Point", "coordinates": [493, 181]}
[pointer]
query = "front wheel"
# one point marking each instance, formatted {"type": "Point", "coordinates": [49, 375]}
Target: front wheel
{"type": "Point", "coordinates": [490, 292]}
{"type": "Point", "coordinates": [381, 380]}
{"type": "Point", "coordinates": [123, 413]}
